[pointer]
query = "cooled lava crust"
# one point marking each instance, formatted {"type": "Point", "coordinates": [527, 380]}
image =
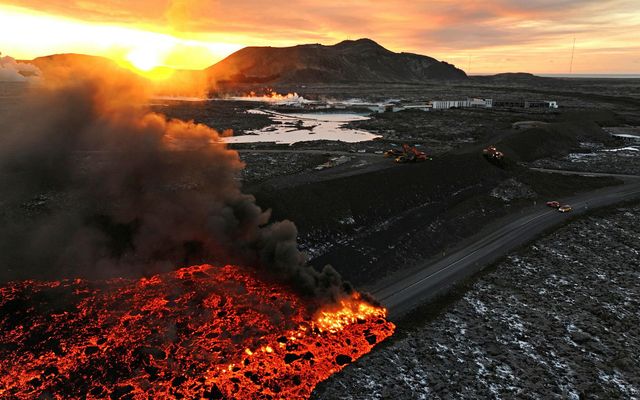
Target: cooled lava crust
{"type": "Point", "coordinates": [199, 332]}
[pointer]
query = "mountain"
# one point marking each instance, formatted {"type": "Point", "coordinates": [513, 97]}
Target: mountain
{"type": "Point", "coordinates": [512, 77]}
{"type": "Point", "coordinates": [67, 60]}
{"type": "Point", "coordinates": [187, 83]}
{"type": "Point", "coordinates": [360, 60]}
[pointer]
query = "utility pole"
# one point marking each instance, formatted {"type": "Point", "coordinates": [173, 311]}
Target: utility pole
{"type": "Point", "coordinates": [573, 49]}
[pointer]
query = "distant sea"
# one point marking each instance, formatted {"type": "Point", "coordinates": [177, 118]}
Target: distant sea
{"type": "Point", "coordinates": [581, 76]}
{"type": "Point", "coordinates": [593, 76]}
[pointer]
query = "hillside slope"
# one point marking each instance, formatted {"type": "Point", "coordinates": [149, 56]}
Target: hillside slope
{"type": "Point", "coordinates": [361, 60]}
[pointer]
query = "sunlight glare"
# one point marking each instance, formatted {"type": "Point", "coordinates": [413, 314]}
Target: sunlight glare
{"type": "Point", "coordinates": [130, 46]}
{"type": "Point", "coordinates": [144, 58]}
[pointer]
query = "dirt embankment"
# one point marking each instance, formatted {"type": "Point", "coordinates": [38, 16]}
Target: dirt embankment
{"type": "Point", "coordinates": [553, 139]}
{"type": "Point", "coordinates": [373, 224]}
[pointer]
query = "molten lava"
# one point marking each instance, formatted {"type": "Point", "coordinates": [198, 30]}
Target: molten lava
{"type": "Point", "coordinates": [198, 332]}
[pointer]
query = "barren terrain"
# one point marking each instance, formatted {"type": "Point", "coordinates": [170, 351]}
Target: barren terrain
{"type": "Point", "coordinates": [554, 320]}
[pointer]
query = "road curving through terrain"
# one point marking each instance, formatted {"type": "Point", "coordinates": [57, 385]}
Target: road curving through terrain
{"type": "Point", "coordinates": [434, 277]}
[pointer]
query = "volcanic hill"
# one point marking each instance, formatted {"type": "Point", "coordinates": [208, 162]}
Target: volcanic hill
{"type": "Point", "coordinates": [72, 59]}
{"type": "Point", "coordinates": [360, 60]}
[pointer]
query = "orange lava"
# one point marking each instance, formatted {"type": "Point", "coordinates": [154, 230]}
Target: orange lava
{"type": "Point", "coordinates": [199, 332]}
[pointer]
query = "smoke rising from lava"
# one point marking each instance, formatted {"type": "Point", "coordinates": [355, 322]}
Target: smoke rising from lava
{"type": "Point", "coordinates": [95, 185]}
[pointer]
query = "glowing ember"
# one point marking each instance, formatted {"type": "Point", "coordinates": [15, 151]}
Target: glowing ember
{"type": "Point", "coordinates": [199, 332]}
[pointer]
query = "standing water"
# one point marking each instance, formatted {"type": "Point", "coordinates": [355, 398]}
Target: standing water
{"type": "Point", "coordinates": [303, 127]}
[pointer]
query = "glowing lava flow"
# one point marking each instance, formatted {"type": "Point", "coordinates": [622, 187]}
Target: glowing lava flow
{"type": "Point", "coordinates": [199, 332]}
{"type": "Point", "coordinates": [348, 312]}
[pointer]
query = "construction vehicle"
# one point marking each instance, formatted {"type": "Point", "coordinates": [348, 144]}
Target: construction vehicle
{"type": "Point", "coordinates": [553, 204]}
{"type": "Point", "coordinates": [492, 153]}
{"type": "Point", "coordinates": [411, 154]}
{"type": "Point", "coordinates": [392, 153]}
{"type": "Point", "coordinates": [565, 208]}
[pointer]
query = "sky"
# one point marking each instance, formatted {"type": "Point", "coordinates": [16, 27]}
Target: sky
{"type": "Point", "coordinates": [478, 36]}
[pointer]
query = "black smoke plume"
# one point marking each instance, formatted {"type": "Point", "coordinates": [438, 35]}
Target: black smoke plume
{"type": "Point", "coordinates": [92, 184]}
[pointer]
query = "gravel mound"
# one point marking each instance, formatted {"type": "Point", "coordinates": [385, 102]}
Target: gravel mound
{"type": "Point", "coordinates": [551, 140]}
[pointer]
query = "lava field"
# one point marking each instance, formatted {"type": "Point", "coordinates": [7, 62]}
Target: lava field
{"type": "Point", "coordinates": [198, 332]}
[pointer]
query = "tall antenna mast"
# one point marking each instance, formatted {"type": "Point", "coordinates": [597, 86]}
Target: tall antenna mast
{"type": "Point", "coordinates": [573, 49]}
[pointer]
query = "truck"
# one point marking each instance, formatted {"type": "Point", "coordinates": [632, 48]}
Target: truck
{"type": "Point", "coordinates": [492, 153]}
{"type": "Point", "coordinates": [553, 204]}
{"type": "Point", "coordinates": [565, 208]}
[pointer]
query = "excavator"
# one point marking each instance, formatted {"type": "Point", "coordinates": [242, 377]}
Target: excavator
{"type": "Point", "coordinates": [393, 153]}
{"type": "Point", "coordinates": [411, 154]}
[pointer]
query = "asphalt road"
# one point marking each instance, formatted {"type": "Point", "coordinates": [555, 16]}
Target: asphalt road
{"type": "Point", "coordinates": [433, 278]}
{"type": "Point", "coordinates": [583, 173]}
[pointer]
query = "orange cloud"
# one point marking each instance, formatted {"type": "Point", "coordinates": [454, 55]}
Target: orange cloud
{"type": "Point", "coordinates": [536, 35]}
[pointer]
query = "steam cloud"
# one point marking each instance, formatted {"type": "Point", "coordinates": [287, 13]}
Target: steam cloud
{"type": "Point", "coordinates": [13, 71]}
{"type": "Point", "coordinates": [93, 184]}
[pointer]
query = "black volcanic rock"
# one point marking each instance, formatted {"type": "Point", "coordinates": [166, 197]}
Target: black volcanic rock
{"type": "Point", "coordinates": [342, 359]}
{"type": "Point", "coordinates": [349, 61]}
{"type": "Point", "coordinates": [290, 357]}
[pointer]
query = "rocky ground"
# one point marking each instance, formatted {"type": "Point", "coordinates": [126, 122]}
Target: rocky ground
{"type": "Point", "coordinates": [555, 320]}
{"type": "Point", "coordinates": [263, 166]}
{"type": "Point", "coordinates": [437, 131]}
{"type": "Point", "coordinates": [623, 158]}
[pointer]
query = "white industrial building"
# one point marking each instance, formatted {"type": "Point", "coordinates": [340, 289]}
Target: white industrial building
{"type": "Point", "coordinates": [469, 102]}
{"type": "Point", "coordinates": [526, 104]}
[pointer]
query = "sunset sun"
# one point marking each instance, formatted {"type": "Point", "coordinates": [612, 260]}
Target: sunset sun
{"type": "Point", "coordinates": [145, 59]}
{"type": "Point", "coordinates": [148, 61]}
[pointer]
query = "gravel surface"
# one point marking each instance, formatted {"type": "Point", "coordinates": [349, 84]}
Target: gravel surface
{"type": "Point", "coordinates": [557, 320]}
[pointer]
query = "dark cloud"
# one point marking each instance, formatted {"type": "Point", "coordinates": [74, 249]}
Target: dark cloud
{"type": "Point", "coordinates": [94, 185]}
